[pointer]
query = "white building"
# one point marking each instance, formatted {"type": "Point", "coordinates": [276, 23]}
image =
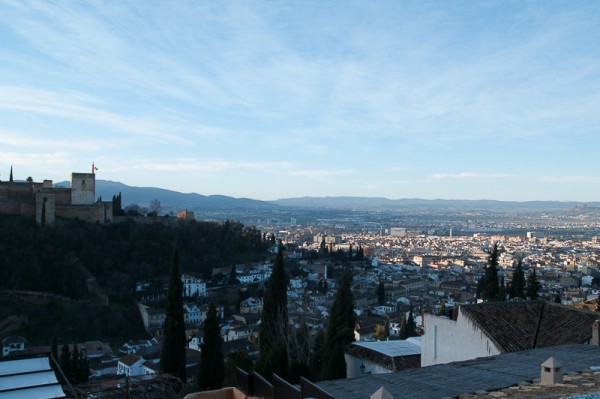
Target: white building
{"type": "Point", "coordinates": [192, 313]}
{"type": "Point", "coordinates": [193, 286]}
{"type": "Point", "coordinates": [131, 365]}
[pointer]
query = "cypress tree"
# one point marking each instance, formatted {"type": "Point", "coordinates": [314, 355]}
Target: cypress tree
{"type": "Point", "coordinates": [502, 290]}
{"type": "Point", "coordinates": [212, 367]}
{"type": "Point", "coordinates": [274, 322]}
{"type": "Point", "coordinates": [75, 365]}
{"type": "Point", "coordinates": [491, 289]}
{"type": "Point", "coordinates": [172, 355]}
{"type": "Point", "coordinates": [340, 330]}
{"type": "Point", "coordinates": [11, 175]}
{"type": "Point", "coordinates": [381, 293]}
{"type": "Point", "coordinates": [65, 361]}
{"type": "Point", "coordinates": [517, 288]}
{"type": "Point", "coordinates": [533, 286]}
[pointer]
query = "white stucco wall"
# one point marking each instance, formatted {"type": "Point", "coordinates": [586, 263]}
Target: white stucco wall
{"type": "Point", "coordinates": [353, 369]}
{"type": "Point", "coordinates": [448, 341]}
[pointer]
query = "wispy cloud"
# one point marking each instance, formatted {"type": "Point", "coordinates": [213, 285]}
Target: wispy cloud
{"type": "Point", "coordinates": [320, 174]}
{"type": "Point", "coordinates": [468, 176]}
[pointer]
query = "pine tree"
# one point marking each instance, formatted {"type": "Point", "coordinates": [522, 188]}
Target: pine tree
{"type": "Point", "coordinates": [533, 286]}
{"type": "Point", "coordinates": [11, 175]}
{"type": "Point", "coordinates": [273, 329]}
{"type": "Point", "coordinates": [172, 356]}
{"type": "Point", "coordinates": [491, 289]}
{"type": "Point", "coordinates": [212, 367]}
{"type": "Point", "coordinates": [381, 293]}
{"type": "Point", "coordinates": [340, 330]}
{"type": "Point", "coordinates": [517, 288]}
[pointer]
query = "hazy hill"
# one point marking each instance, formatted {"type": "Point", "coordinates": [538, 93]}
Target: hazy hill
{"type": "Point", "coordinates": [192, 201]}
{"type": "Point", "coordinates": [437, 204]}
{"type": "Point", "coordinates": [172, 199]}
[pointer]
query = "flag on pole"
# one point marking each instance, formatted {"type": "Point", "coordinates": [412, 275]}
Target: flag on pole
{"type": "Point", "coordinates": [94, 168]}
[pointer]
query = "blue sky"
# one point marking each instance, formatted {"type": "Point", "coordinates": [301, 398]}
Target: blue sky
{"type": "Point", "coordinates": [277, 99]}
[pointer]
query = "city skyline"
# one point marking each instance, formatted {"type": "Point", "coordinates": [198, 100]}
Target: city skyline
{"type": "Point", "coordinates": [455, 100]}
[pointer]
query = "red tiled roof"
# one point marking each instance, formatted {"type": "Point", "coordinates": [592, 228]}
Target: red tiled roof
{"type": "Point", "coordinates": [130, 360]}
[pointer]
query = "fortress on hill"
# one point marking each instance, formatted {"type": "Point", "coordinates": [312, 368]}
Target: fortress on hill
{"type": "Point", "coordinates": [45, 203]}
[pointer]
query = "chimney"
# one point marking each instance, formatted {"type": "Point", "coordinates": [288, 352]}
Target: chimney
{"type": "Point", "coordinates": [596, 333]}
{"type": "Point", "coordinates": [551, 372]}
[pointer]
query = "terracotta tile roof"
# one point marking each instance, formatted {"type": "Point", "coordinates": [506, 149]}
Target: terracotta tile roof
{"type": "Point", "coordinates": [130, 360]}
{"type": "Point", "coordinates": [517, 326]}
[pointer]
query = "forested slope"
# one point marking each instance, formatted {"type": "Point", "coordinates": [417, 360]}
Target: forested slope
{"type": "Point", "coordinates": [85, 262]}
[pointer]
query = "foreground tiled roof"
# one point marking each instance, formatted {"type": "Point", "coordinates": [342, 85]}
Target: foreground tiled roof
{"type": "Point", "coordinates": [459, 378]}
{"type": "Point", "coordinates": [517, 326]}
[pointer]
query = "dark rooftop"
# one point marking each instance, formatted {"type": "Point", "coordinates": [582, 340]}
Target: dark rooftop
{"type": "Point", "coordinates": [453, 379]}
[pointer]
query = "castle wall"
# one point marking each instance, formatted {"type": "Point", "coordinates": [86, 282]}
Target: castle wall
{"type": "Point", "coordinates": [45, 208]}
{"type": "Point", "coordinates": [100, 212]}
{"type": "Point", "coordinates": [42, 201]}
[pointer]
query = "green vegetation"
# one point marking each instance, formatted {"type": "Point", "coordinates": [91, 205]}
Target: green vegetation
{"type": "Point", "coordinates": [85, 265]}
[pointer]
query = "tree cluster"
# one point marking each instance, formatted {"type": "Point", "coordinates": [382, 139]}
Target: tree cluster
{"type": "Point", "coordinates": [74, 366]}
{"type": "Point", "coordinates": [59, 258]}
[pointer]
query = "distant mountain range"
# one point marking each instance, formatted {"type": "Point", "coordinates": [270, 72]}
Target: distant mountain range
{"type": "Point", "coordinates": [192, 201]}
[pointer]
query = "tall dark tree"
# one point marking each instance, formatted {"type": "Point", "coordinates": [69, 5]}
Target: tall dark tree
{"type": "Point", "coordinates": [11, 175]}
{"type": "Point", "coordinates": [502, 290]}
{"type": "Point", "coordinates": [273, 329]}
{"type": "Point", "coordinates": [491, 286]}
{"type": "Point", "coordinates": [340, 330]}
{"type": "Point", "coordinates": [65, 362]}
{"type": "Point", "coordinates": [233, 280]}
{"type": "Point", "coordinates": [381, 293]}
{"type": "Point", "coordinates": [408, 326]}
{"type": "Point", "coordinates": [212, 367]}
{"type": "Point", "coordinates": [533, 286]}
{"type": "Point", "coordinates": [172, 355]}
{"type": "Point", "coordinates": [517, 287]}
{"type": "Point", "coordinates": [350, 252]}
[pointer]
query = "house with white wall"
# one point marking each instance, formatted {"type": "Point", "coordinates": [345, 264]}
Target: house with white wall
{"type": "Point", "coordinates": [382, 357]}
{"type": "Point", "coordinates": [193, 286]}
{"type": "Point", "coordinates": [489, 329]}
{"type": "Point", "coordinates": [131, 365]}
